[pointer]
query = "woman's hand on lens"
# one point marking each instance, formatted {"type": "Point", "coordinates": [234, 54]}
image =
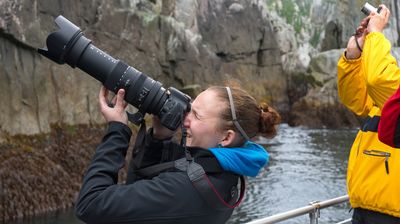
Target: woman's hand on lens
{"type": "Point", "coordinates": [160, 131]}
{"type": "Point", "coordinates": [114, 110]}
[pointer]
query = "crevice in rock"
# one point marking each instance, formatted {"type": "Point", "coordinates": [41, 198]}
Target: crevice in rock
{"type": "Point", "coordinates": [227, 57]}
{"type": "Point", "coordinates": [260, 52]}
{"type": "Point", "coordinates": [172, 68]}
{"type": "Point", "coordinates": [88, 110]}
{"type": "Point", "coordinates": [222, 55]}
{"type": "Point", "coordinates": [55, 91]}
{"type": "Point", "coordinates": [15, 41]}
{"type": "Point", "coordinates": [37, 111]}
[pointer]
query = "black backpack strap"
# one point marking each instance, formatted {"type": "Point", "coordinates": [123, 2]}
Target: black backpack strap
{"type": "Point", "coordinates": [154, 170]}
{"type": "Point", "coordinates": [198, 176]}
{"type": "Point", "coordinates": [207, 190]}
{"type": "Point", "coordinates": [209, 164]}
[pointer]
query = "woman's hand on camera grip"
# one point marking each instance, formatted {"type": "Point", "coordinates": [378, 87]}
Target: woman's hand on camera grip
{"type": "Point", "coordinates": [114, 110]}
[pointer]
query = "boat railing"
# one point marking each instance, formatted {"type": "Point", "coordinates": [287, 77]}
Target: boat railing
{"type": "Point", "coordinates": [313, 210]}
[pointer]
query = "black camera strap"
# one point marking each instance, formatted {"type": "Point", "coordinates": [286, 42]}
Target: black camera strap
{"type": "Point", "coordinates": [137, 153]}
{"type": "Point", "coordinates": [136, 118]}
{"type": "Point", "coordinates": [207, 190]}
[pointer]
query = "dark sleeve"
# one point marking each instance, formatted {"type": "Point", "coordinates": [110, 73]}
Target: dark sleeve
{"type": "Point", "coordinates": [102, 173]}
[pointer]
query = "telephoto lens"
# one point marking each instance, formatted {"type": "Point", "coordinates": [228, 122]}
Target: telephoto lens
{"type": "Point", "coordinates": [368, 8]}
{"type": "Point", "coordinates": [68, 45]}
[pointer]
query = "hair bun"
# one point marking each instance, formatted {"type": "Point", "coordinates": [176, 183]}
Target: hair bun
{"type": "Point", "coordinates": [269, 118]}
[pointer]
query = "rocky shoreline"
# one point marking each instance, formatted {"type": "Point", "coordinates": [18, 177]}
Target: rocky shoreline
{"type": "Point", "coordinates": [43, 173]}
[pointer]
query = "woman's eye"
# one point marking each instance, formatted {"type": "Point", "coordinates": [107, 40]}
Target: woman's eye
{"type": "Point", "coordinates": [196, 115]}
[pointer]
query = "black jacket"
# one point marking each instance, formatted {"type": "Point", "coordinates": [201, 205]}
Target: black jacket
{"type": "Point", "coordinates": [168, 197]}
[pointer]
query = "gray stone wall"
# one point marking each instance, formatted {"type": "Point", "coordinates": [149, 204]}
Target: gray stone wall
{"type": "Point", "coordinates": [264, 44]}
{"type": "Point", "coordinates": [178, 43]}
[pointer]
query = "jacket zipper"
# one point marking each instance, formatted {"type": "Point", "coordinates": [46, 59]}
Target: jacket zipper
{"type": "Point", "coordinates": [379, 154]}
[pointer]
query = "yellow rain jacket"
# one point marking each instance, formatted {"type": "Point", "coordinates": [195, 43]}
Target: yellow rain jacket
{"type": "Point", "coordinates": [364, 84]}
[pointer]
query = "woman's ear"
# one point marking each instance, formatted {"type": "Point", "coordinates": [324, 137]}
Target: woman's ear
{"type": "Point", "coordinates": [229, 138]}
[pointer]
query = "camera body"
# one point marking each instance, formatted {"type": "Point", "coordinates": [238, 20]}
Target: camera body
{"type": "Point", "coordinates": [368, 8]}
{"type": "Point", "coordinates": [68, 45]}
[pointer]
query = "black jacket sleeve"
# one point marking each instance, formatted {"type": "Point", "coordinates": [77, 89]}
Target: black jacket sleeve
{"type": "Point", "coordinates": [102, 173]}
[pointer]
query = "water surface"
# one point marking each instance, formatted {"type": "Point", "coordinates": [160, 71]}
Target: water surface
{"type": "Point", "coordinates": [305, 165]}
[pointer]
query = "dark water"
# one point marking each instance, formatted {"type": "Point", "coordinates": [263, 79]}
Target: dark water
{"type": "Point", "coordinates": [305, 165]}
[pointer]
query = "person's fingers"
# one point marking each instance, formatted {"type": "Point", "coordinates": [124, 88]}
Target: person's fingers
{"type": "Point", "coordinates": [103, 94]}
{"type": "Point", "coordinates": [386, 14]}
{"type": "Point", "coordinates": [360, 30]}
{"type": "Point", "coordinates": [364, 22]}
{"type": "Point", "coordinates": [114, 100]}
{"type": "Point", "coordinates": [383, 8]}
{"type": "Point", "coordinates": [386, 19]}
{"type": "Point", "coordinates": [372, 14]}
{"type": "Point", "coordinates": [120, 99]}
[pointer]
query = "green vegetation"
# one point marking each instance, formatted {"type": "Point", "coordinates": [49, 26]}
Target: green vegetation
{"type": "Point", "coordinates": [148, 18]}
{"type": "Point", "coordinates": [315, 39]}
{"type": "Point", "coordinates": [294, 12]}
{"type": "Point", "coordinates": [302, 78]}
{"type": "Point", "coordinates": [297, 25]}
{"type": "Point", "coordinates": [304, 7]}
{"type": "Point", "coordinates": [288, 11]}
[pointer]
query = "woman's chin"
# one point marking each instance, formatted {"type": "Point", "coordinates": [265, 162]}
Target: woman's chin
{"type": "Point", "coordinates": [192, 144]}
{"type": "Point", "coordinates": [189, 143]}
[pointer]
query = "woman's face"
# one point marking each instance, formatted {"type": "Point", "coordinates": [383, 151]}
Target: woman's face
{"type": "Point", "coordinates": [203, 120]}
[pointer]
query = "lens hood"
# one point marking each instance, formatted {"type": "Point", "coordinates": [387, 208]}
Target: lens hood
{"type": "Point", "coordinates": [59, 42]}
{"type": "Point", "coordinates": [69, 45]}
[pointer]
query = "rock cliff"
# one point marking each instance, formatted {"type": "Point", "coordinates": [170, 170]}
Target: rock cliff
{"type": "Point", "coordinates": [264, 44]}
{"type": "Point", "coordinates": [178, 43]}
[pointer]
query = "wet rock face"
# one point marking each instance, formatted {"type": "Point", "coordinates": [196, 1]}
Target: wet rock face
{"type": "Point", "coordinates": [178, 43]}
{"type": "Point", "coordinates": [264, 44]}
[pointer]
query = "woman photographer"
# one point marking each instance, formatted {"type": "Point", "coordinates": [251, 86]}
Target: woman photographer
{"type": "Point", "coordinates": [220, 126]}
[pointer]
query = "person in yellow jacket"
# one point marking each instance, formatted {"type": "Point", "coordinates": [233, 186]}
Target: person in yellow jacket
{"type": "Point", "coordinates": [367, 76]}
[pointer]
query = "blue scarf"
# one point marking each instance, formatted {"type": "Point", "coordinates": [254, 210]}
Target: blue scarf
{"type": "Point", "coordinates": [246, 160]}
